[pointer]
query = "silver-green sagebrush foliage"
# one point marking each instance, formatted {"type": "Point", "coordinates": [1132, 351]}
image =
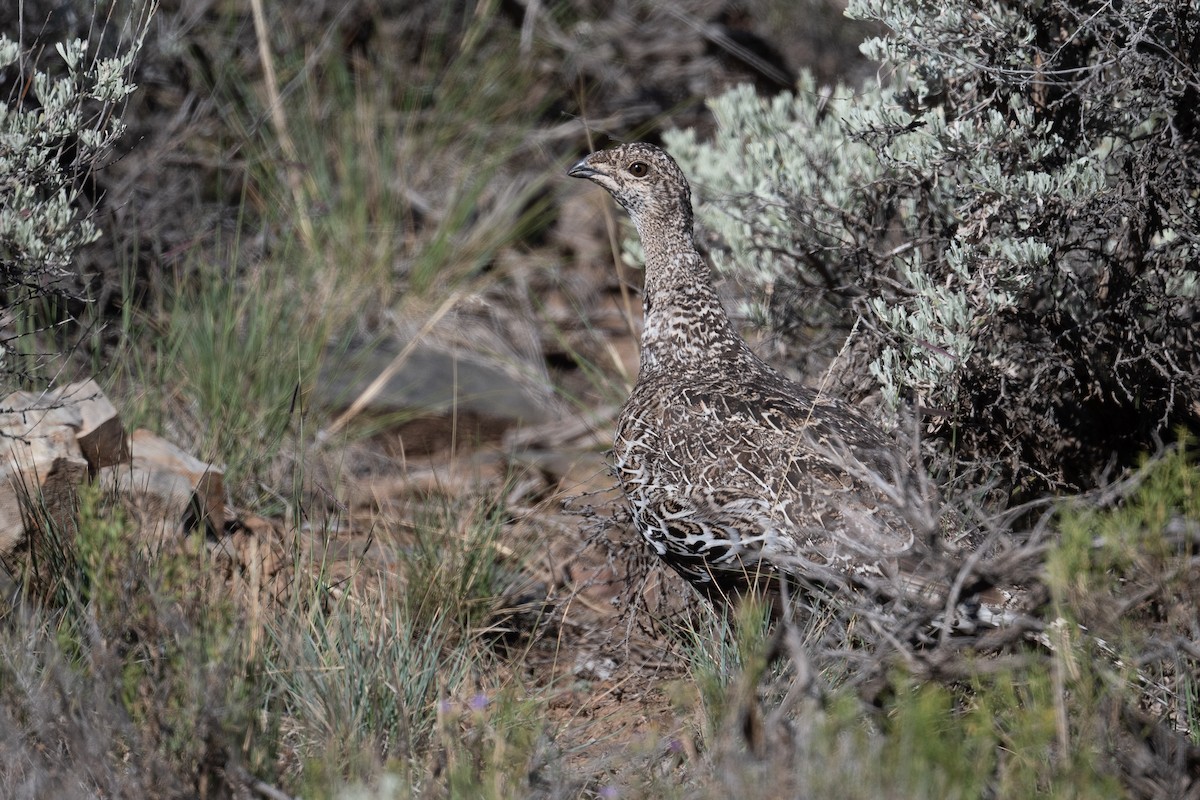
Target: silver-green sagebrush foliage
{"type": "Point", "coordinates": [1010, 216]}
{"type": "Point", "coordinates": [58, 123]}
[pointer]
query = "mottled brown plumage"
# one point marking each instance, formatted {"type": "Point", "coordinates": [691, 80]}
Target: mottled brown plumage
{"type": "Point", "coordinates": [734, 474]}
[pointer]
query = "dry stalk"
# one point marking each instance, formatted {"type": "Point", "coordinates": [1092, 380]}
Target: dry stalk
{"type": "Point", "coordinates": [279, 123]}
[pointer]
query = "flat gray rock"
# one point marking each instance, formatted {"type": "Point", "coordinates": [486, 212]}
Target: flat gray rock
{"type": "Point", "coordinates": [437, 381]}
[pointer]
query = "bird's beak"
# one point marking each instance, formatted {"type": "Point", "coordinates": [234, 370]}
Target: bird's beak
{"type": "Point", "coordinates": [582, 170]}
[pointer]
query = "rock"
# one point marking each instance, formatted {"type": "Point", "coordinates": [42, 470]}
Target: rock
{"type": "Point", "coordinates": [23, 413]}
{"type": "Point", "coordinates": [45, 439]}
{"type": "Point", "coordinates": [434, 380]}
{"type": "Point", "coordinates": [100, 435]}
{"type": "Point", "coordinates": [51, 442]}
{"type": "Point", "coordinates": [439, 390]}
{"type": "Point", "coordinates": [83, 407]}
{"type": "Point", "coordinates": [40, 474]}
{"type": "Point", "coordinates": [41, 461]}
{"type": "Point", "coordinates": [168, 488]}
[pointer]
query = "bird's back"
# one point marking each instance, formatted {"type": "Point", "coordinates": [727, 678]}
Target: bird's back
{"type": "Point", "coordinates": [736, 475]}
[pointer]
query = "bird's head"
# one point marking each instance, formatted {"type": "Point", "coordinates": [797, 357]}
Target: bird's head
{"type": "Point", "coordinates": [645, 181]}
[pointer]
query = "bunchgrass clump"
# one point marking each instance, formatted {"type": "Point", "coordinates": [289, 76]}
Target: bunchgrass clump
{"type": "Point", "coordinates": [457, 564]}
{"type": "Point", "coordinates": [126, 669]}
{"type": "Point", "coordinates": [358, 682]}
{"type": "Point", "coordinates": [179, 687]}
{"type": "Point", "coordinates": [722, 652]}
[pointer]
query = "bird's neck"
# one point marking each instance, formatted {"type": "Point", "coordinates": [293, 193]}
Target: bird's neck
{"type": "Point", "coordinates": [685, 326]}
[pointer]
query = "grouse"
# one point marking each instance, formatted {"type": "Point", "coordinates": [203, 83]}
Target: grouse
{"type": "Point", "coordinates": [736, 476]}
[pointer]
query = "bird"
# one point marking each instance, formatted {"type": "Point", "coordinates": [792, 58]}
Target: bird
{"type": "Point", "coordinates": [740, 479]}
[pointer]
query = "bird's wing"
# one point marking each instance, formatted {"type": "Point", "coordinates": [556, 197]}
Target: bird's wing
{"type": "Point", "coordinates": [732, 478]}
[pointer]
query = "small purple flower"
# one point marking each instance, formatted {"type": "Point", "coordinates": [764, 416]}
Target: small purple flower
{"type": "Point", "coordinates": [478, 702]}
{"type": "Point", "coordinates": [609, 793]}
{"type": "Point", "coordinates": [445, 705]}
{"type": "Point", "coordinates": [675, 746]}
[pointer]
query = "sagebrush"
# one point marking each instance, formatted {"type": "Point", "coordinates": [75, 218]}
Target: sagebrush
{"type": "Point", "coordinates": [1009, 214]}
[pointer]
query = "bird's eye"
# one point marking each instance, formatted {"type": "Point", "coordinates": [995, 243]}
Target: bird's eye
{"type": "Point", "coordinates": [638, 169]}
